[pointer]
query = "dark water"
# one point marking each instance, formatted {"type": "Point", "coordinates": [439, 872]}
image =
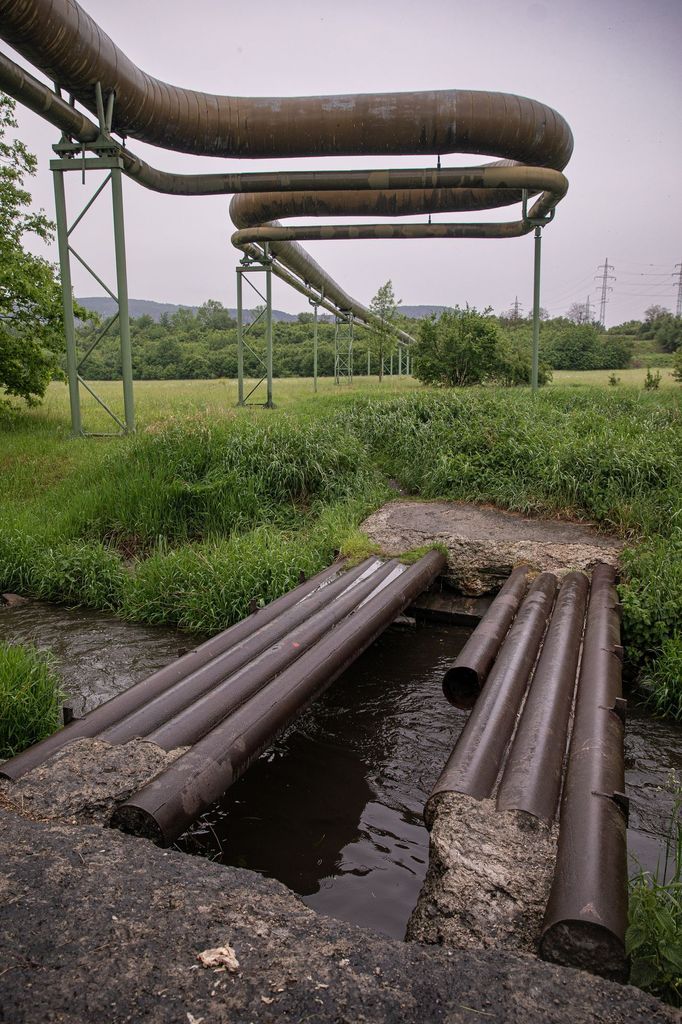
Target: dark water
{"type": "Point", "coordinates": [333, 809]}
{"type": "Point", "coordinates": [97, 654]}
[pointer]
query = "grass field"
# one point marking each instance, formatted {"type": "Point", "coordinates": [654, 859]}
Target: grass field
{"type": "Point", "coordinates": [210, 506]}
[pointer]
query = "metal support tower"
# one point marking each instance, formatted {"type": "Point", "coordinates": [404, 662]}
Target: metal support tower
{"type": "Point", "coordinates": [605, 277]}
{"type": "Point", "coordinates": [343, 347]}
{"type": "Point", "coordinates": [71, 157]}
{"type": "Point", "coordinates": [245, 271]}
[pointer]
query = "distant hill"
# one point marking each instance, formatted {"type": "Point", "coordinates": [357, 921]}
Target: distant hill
{"type": "Point", "coordinates": [105, 306]}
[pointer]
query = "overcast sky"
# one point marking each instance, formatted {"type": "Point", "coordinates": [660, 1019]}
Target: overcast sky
{"type": "Point", "coordinates": [612, 68]}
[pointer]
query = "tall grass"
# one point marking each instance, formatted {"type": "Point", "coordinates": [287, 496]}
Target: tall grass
{"type": "Point", "coordinates": [614, 459]}
{"type": "Point", "coordinates": [30, 698]}
{"type": "Point", "coordinates": [209, 508]}
{"type": "Point", "coordinates": [654, 936]}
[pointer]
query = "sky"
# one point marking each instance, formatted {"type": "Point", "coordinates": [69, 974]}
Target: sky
{"type": "Point", "coordinates": [612, 68]}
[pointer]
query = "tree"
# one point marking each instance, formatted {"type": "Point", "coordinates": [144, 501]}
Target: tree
{"type": "Point", "coordinates": [580, 313]}
{"type": "Point", "coordinates": [459, 349]}
{"type": "Point", "coordinates": [384, 306]}
{"type": "Point", "coordinates": [31, 331]}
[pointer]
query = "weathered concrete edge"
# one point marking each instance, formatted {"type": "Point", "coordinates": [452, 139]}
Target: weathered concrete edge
{"type": "Point", "coordinates": [93, 920]}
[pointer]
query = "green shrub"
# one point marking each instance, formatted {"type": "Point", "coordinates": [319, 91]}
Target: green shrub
{"type": "Point", "coordinates": [30, 698]}
{"type": "Point", "coordinates": [655, 913]}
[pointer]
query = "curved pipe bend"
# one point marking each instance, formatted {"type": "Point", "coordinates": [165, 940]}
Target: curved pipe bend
{"type": "Point", "coordinates": [62, 40]}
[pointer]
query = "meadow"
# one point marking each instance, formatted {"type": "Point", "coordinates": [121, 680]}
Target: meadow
{"type": "Point", "coordinates": [209, 507]}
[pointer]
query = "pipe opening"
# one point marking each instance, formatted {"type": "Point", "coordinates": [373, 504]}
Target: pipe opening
{"type": "Point", "coordinates": [461, 687]}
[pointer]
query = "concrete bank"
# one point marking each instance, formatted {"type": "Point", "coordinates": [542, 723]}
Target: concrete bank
{"type": "Point", "coordinates": [484, 543]}
{"type": "Point", "coordinates": [95, 925]}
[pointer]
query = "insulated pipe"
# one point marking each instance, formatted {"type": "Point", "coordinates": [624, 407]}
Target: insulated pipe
{"type": "Point", "coordinates": [195, 684]}
{"type": "Point", "coordinates": [204, 714]}
{"type": "Point", "coordinates": [475, 762]}
{"type": "Point", "coordinates": [587, 912]}
{"type": "Point", "coordinates": [136, 696]}
{"type": "Point", "coordinates": [462, 683]}
{"type": "Point", "coordinates": [532, 775]}
{"type": "Point", "coordinates": [58, 37]}
{"type": "Point", "coordinates": [166, 806]}
{"type": "Point", "coordinates": [399, 190]}
{"type": "Point", "coordinates": [443, 189]}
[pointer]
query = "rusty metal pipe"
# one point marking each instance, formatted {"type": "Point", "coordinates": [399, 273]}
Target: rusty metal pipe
{"type": "Point", "coordinates": [462, 683]}
{"type": "Point", "coordinates": [587, 911]}
{"type": "Point", "coordinates": [444, 189]}
{"type": "Point", "coordinates": [164, 808]}
{"type": "Point", "coordinates": [58, 37]}
{"type": "Point", "coordinates": [532, 774]}
{"type": "Point", "coordinates": [475, 762]}
{"type": "Point", "coordinates": [205, 713]}
{"type": "Point", "coordinates": [136, 696]}
{"type": "Point", "coordinates": [183, 694]}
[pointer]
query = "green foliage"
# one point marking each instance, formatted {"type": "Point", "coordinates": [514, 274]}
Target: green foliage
{"type": "Point", "coordinates": [202, 478]}
{"type": "Point", "coordinates": [611, 456]}
{"type": "Point", "coordinates": [464, 347]}
{"type": "Point", "coordinates": [667, 332]}
{"type": "Point", "coordinates": [652, 381]}
{"type": "Point", "coordinates": [677, 366]}
{"type": "Point", "coordinates": [384, 307]}
{"type": "Point", "coordinates": [582, 346]}
{"type": "Point", "coordinates": [651, 595]}
{"type": "Point", "coordinates": [655, 918]}
{"type": "Point", "coordinates": [30, 698]}
{"type": "Point", "coordinates": [31, 335]}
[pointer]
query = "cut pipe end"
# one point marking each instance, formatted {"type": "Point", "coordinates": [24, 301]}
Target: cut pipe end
{"type": "Point", "coordinates": [461, 686]}
{"type": "Point", "coordinates": [135, 821]}
{"type": "Point", "coordinates": [587, 946]}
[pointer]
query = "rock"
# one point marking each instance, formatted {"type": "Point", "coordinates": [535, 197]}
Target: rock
{"type": "Point", "coordinates": [484, 544]}
{"type": "Point", "coordinates": [86, 780]}
{"type": "Point", "coordinates": [97, 925]}
{"type": "Point", "coordinates": [489, 877]}
{"type": "Point", "coordinates": [13, 600]}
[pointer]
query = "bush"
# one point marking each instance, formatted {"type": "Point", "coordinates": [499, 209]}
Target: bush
{"type": "Point", "coordinates": [464, 347]}
{"type": "Point", "coordinates": [570, 346]}
{"type": "Point", "coordinates": [653, 936]}
{"type": "Point", "coordinates": [30, 698]}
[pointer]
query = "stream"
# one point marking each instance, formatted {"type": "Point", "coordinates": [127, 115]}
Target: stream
{"type": "Point", "coordinates": [333, 808]}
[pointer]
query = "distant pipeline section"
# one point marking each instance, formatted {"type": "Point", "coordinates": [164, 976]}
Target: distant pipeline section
{"type": "Point", "coordinates": [533, 142]}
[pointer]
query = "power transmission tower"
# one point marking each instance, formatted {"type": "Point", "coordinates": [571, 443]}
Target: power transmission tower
{"type": "Point", "coordinates": [517, 308]}
{"type": "Point", "coordinates": [678, 275]}
{"type": "Point", "coordinates": [588, 310]}
{"type": "Point", "coordinates": [604, 277]}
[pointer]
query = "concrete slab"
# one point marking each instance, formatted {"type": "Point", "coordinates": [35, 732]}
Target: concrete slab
{"type": "Point", "coordinates": [484, 543]}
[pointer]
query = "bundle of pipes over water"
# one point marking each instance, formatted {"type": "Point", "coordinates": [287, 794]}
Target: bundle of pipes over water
{"type": "Point", "coordinates": [223, 703]}
{"type": "Point", "coordinates": [539, 653]}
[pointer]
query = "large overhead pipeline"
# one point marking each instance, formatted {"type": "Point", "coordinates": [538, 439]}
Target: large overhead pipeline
{"type": "Point", "coordinates": [58, 37]}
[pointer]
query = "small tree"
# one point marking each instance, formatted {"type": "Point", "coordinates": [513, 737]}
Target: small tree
{"type": "Point", "coordinates": [384, 306]}
{"type": "Point", "coordinates": [31, 333]}
{"type": "Point", "coordinates": [458, 349]}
